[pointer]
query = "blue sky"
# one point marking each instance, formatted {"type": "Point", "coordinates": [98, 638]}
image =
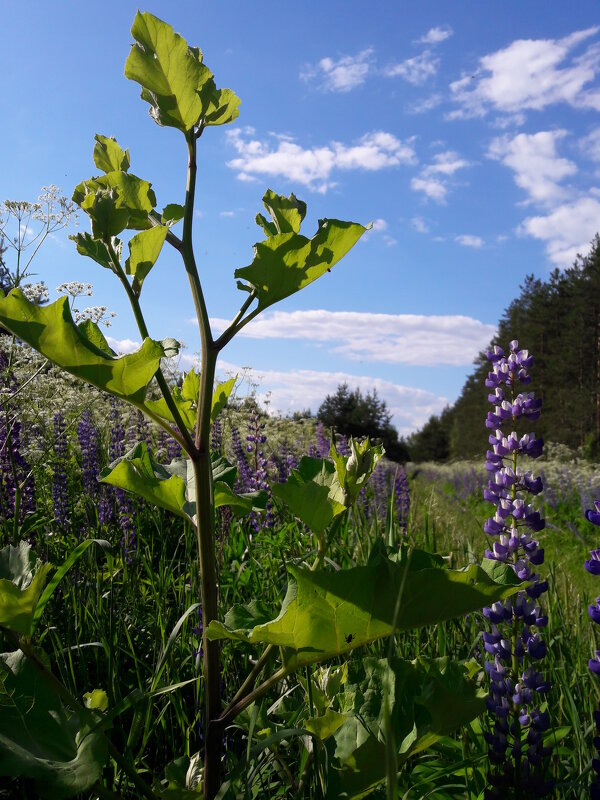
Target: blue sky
{"type": "Point", "coordinates": [468, 133]}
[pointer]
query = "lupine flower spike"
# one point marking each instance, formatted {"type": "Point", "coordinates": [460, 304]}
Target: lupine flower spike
{"type": "Point", "coordinates": [592, 565]}
{"type": "Point", "coordinates": [514, 643]}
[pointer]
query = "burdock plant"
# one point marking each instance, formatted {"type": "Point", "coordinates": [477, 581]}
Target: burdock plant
{"type": "Point", "coordinates": [514, 642]}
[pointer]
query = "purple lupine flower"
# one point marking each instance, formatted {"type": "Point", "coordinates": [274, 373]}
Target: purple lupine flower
{"type": "Point", "coordinates": [60, 494]}
{"type": "Point", "coordinates": [514, 642]}
{"type": "Point", "coordinates": [592, 565]}
{"type": "Point", "coordinates": [244, 472]}
{"type": "Point", "coordinates": [322, 445]}
{"type": "Point", "coordinates": [258, 464]}
{"type": "Point", "coordinates": [402, 498]}
{"type": "Point", "coordinates": [90, 454]}
{"type": "Point", "coordinates": [216, 436]}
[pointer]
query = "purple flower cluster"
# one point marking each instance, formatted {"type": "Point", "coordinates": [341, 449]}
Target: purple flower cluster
{"type": "Point", "coordinates": [60, 494]}
{"type": "Point", "coordinates": [259, 478]}
{"type": "Point", "coordinates": [514, 643]}
{"type": "Point", "coordinates": [592, 565]}
{"type": "Point", "coordinates": [402, 497]}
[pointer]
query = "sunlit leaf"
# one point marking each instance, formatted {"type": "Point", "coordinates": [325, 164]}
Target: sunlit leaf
{"type": "Point", "coordinates": [51, 331]}
{"type": "Point", "coordinates": [220, 397]}
{"type": "Point", "coordinates": [286, 262]}
{"type": "Point", "coordinates": [223, 109]}
{"type": "Point", "coordinates": [312, 492]}
{"type": "Point", "coordinates": [115, 201]}
{"type": "Point", "coordinates": [172, 213]}
{"type": "Point", "coordinates": [170, 73]}
{"type": "Point", "coordinates": [171, 486]}
{"type": "Point", "coordinates": [108, 155]}
{"type": "Point", "coordinates": [144, 250]}
{"type": "Point", "coordinates": [354, 470]}
{"type": "Point", "coordinates": [325, 614]}
{"type": "Point", "coordinates": [40, 739]}
{"type": "Point", "coordinates": [96, 249]}
{"type": "Point", "coordinates": [22, 580]}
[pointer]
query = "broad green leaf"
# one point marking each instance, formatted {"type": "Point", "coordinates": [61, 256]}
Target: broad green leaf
{"type": "Point", "coordinates": [22, 580]}
{"type": "Point", "coordinates": [144, 250]}
{"type": "Point", "coordinates": [223, 109]}
{"type": "Point", "coordinates": [39, 738]}
{"type": "Point", "coordinates": [426, 699]}
{"type": "Point", "coordinates": [325, 614]}
{"type": "Point", "coordinates": [220, 397]}
{"type": "Point", "coordinates": [187, 409]}
{"type": "Point", "coordinates": [325, 725]}
{"type": "Point", "coordinates": [286, 262]}
{"type": "Point", "coordinates": [51, 331]}
{"type": "Point", "coordinates": [287, 214]}
{"type": "Point", "coordinates": [171, 486]}
{"type": "Point", "coordinates": [91, 331]}
{"type": "Point", "coordinates": [115, 201]}
{"type": "Point", "coordinates": [96, 699]}
{"type": "Point", "coordinates": [313, 493]}
{"type": "Point", "coordinates": [96, 249]}
{"type": "Point", "coordinates": [172, 213]}
{"type": "Point", "coordinates": [190, 388]}
{"type": "Point", "coordinates": [108, 156]}
{"type": "Point", "coordinates": [170, 73]}
{"type": "Point", "coordinates": [353, 471]}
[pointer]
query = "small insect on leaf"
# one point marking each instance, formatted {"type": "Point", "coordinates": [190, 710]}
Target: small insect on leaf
{"type": "Point", "coordinates": [350, 637]}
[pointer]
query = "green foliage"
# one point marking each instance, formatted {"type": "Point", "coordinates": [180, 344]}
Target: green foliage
{"type": "Point", "coordinates": [325, 614]}
{"type": "Point", "coordinates": [58, 749]}
{"type": "Point", "coordinates": [313, 493]}
{"type": "Point", "coordinates": [22, 580]}
{"type": "Point", "coordinates": [286, 261]}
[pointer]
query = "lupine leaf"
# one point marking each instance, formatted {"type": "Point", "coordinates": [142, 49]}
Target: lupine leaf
{"type": "Point", "coordinates": [115, 201]}
{"type": "Point", "coordinates": [51, 331]}
{"type": "Point", "coordinates": [144, 250]}
{"type": "Point", "coordinates": [108, 156]}
{"type": "Point", "coordinates": [312, 492]}
{"type": "Point", "coordinates": [39, 738]}
{"type": "Point", "coordinates": [171, 486]}
{"type": "Point", "coordinates": [428, 699]}
{"type": "Point", "coordinates": [170, 73]}
{"type": "Point", "coordinates": [22, 580]}
{"type": "Point", "coordinates": [325, 614]}
{"type": "Point", "coordinates": [286, 262]}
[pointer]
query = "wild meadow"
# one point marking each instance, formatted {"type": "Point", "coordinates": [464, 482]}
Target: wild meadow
{"type": "Point", "coordinates": [197, 598]}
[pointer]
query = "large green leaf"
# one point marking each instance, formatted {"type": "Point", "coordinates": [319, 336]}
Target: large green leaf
{"type": "Point", "coordinates": [186, 400]}
{"type": "Point", "coordinates": [22, 580]}
{"type": "Point", "coordinates": [108, 155]}
{"type": "Point", "coordinates": [325, 614]}
{"type": "Point", "coordinates": [171, 486]}
{"type": "Point", "coordinates": [40, 739]}
{"type": "Point", "coordinates": [144, 250]}
{"type": "Point", "coordinates": [312, 492]}
{"type": "Point", "coordinates": [115, 201]}
{"type": "Point", "coordinates": [223, 108]}
{"type": "Point", "coordinates": [51, 331]}
{"type": "Point", "coordinates": [170, 73]}
{"type": "Point", "coordinates": [427, 700]}
{"type": "Point", "coordinates": [96, 249]}
{"type": "Point", "coordinates": [287, 261]}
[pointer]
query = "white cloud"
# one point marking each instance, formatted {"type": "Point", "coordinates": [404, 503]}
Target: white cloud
{"type": "Point", "coordinates": [389, 240]}
{"type": "Point", "coordinates": [297, 389]}
{"type": "Point", "coordinates": [414, 70]}
{"type": "Point", "coordinates": [227, 213]}
{"type": "Point", "coordinates": [433, 178]}
{"type": "Point", "coordinates": [436, 35]}
{"type": "Point", "coordinates": [535, 162]}
{"type": "Point", "coordinates": [413, 339]}
{"type": "Point", "coordinates": [123, 346]}
{"type": "Point", "coordinates": [590, 145]}
{"type": "Point", "coordinates": [531, 74]}
{"type": "Point", "coordinates": [313, 167]}
{"type": "Point", "coordinates": [419, 225]}
{"type": "Point", "coordinates": [342, 75]}
{"type": "Point", "coordinates": [467, 240]}
{"type": "Point", "coordinates": [567, 230]}
{"type": "Point", "coordinates": [425, 104]}
{"type": "Point", "coordinates": [379, 225]}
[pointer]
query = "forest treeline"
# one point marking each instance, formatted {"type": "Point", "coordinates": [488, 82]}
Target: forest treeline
{"type": "Point", "coordinates": [558, 321]}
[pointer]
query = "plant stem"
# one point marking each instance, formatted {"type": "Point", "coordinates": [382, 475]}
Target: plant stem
{"type": "Point", "coordinates": [234, 709]}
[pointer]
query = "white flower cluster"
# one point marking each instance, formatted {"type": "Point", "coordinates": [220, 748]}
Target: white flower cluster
{"type": "Point", "coordinates": [97, 314]}
{"type": "Point", "coordinates": [76, 289]}
{"type": "Point", "coordinates": [36, 292]}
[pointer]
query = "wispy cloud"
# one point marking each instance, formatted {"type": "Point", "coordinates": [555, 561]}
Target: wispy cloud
{"type": "Point", "coordinates": [531, 74]}
{"type": "Point", "coordinates": [413, 339]}
{"type": "Point", "coordinates": [416, 70]}
{"type": "Point", "coordinates": [313, 167]}
{"type": "Point", "coordinates": [341, 75]}
{"type": "Point", "coordinates": [590, 145]}
{"type": "Point", "coordinates": [297, 389]}
{"type": "Point", "coordinates": [468, 240]}
{"type": "Point", "coordinates": [535, 162]}
{"type": "Point", "coordinates": [419, 225]}
{"type": "Point", "coordinates": [436, 35]}
{"type": "Point", "coordinates": [567, 230]}
{"type": "Point", "coordinates": [434, 178]}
